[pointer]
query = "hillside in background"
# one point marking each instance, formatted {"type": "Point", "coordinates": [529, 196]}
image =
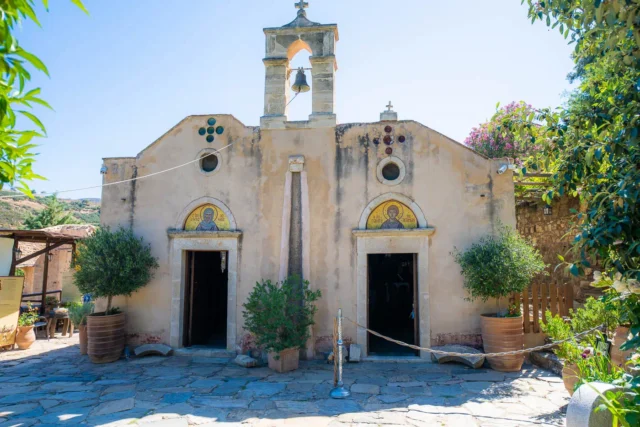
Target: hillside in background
{"type": "Point", "coordinates": [14, 211]}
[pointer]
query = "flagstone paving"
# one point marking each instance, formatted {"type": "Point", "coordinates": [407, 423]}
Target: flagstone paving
{"type": "Point", "coordinates": [52, 384]}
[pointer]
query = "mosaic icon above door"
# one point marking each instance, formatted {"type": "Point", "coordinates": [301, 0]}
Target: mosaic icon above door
{"type": "Point", "coordinates": [207, 217]}
{"type": "Point", "coordinates": [392, 215]}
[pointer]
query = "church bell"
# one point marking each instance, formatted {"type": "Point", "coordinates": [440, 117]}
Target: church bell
{"type": "Point", "coordinates": [301, 84]}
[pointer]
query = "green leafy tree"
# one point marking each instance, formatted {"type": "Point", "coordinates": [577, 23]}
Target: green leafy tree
{"type": "Point", "coordinates": [110, 264]}
{"type": "Point", "coordinates": [53, 214]}
{"type": "Point", "coordinates": [279, 315]}
{"type": "Point", "coordinates": [16, 99]}
{"type": "Point", "coordinates": [594, 143]}
{"type": "Point", "coordinates": [499, 265]}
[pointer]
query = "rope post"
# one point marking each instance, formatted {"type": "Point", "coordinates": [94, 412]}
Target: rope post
{"type": "Point", "coordinates": [339, 392]}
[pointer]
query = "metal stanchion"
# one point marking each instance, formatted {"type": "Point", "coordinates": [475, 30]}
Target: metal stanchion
{"type": "Point", "coordinates": [339, 392]}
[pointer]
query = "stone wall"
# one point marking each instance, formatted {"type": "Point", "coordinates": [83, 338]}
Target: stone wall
{"type": "Point", "coordinates": [549, 234]}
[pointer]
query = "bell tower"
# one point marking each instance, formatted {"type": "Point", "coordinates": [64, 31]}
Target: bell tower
{"type": "Point", "coordinates": [282, 44]}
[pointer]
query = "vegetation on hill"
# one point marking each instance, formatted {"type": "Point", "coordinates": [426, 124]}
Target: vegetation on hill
{"type": "Point", "coordinates": [14, 212]}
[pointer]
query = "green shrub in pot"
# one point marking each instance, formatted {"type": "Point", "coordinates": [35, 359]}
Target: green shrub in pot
{"type": "Point", "coordinates": [279, 315]}
{"type": "Point", "coordinates": [495, 267]}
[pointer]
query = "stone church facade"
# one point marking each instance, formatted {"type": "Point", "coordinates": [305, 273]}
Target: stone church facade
{"type": "Point", "coordinates": [366, 212]}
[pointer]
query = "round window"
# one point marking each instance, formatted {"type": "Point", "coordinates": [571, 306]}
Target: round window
{"type": "Point", "coordinates": [208, 162]}
{"type": "Point", "coordinates": [391, 172]}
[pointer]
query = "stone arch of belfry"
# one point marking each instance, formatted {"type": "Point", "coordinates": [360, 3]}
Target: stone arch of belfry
{"type": "Point", "coordinates": [282, 44]}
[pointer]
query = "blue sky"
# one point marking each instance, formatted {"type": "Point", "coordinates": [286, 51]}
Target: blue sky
{"type": "Point", "coordinates": [124, 75]}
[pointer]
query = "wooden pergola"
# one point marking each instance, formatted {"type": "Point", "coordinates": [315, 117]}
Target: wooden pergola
{"type": "Point", "coordinates": [51, 241]}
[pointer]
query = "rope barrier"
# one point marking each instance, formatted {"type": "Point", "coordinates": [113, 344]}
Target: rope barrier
{"type": "Point", "coordinates": [449, 353]}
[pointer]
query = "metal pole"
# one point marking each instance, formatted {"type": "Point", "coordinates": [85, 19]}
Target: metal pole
{"type": "Point", "coordinates": [340, 392]}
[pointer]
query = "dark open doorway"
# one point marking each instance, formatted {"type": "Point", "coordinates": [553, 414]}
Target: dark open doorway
{"type": "Point", "coordinates": [206, 299]}
{"type": "Point", "coordinates": [393, 308]}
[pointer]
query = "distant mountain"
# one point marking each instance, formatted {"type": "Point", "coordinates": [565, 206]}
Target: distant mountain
{"type": "Point", "coordinates": [13, 211]}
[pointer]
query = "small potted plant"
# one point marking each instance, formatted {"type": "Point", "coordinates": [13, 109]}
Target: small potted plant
{"type": "Point", "coordinates": [594, 313]}
{"type": "Point", "coordinates": [494, 268]}
{"type": "Point", "coordinates": [25, 335]}
{"type": "Point", "coordinates": [78, 313]}
{"type": "Point", "coordinates": [279, 316]}
{"type": "Point", "coordinates": [50, 303]}
{"type": "Point", "coordinates": [110, 264]}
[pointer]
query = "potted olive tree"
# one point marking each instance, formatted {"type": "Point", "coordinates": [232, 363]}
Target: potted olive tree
{"type": "Point", "coordinates": [110, 264]}
{"type": "Point", "coordinates": [78, 313]}
{"type": "Point", "coordinates": [279, 316]}
{"type": "Point", "coordinates": [494, 268]}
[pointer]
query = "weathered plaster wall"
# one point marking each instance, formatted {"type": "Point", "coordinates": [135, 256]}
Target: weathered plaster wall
{"type": "Point", "coordinates": [459, 192]}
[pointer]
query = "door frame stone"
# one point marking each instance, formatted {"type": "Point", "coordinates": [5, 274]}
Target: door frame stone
{"type": "Point", "coordinates": [414, 241]}
{"type": "Point", "coordinates": [180, 243]}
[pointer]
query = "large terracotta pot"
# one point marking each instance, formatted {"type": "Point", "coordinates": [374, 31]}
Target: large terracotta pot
{"type": "Point", "coordinates": [82, 333]}
{"type": "Point", "coordinates": [500, 334]}
{"type": "Point", "coordinates": [619, 357]}
{"type": "Point", "coordinates": [288, 360]}
{"type": "Point", "coordinates": [570, 377]}
{"type": "Point", "coordinates": [106, 336]}
{"type": "Point", "coordinates": [25, 337]}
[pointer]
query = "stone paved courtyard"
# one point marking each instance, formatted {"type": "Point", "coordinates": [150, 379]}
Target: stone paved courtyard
{"type": "Point", "coordinates": [52, 384]}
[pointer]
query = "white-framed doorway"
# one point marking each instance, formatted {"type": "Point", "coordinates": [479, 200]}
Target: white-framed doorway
{"type": "Point", "coordinates": [415, 241]}
{"type": "Point", "coordinates": [181, 242]}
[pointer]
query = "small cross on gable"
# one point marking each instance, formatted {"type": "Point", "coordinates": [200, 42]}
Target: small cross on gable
{"type": "Point", "coordinates": [302, 5]}
{"type": "Point", "coordinates": [390, 106]}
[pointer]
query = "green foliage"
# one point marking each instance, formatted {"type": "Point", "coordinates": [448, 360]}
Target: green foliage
{"type": "Point", "coordinates": [53, 214]}
{"type": "Point", "coordinates": [51, 300]}
{"type": "Point", "coordinates": [557, 329]}
{"type": "Point", "coordinates": [78, 312]}
{"type": "Point", "coordinates": [279, 315]}
{"type": "Point", "coordinates": [594, 313]}
{"type": "Point", "coordinates": [115, 263]}
{"type": "Point", "coordinates": [499, 265]}
{"type": "Point", "coordinates": [595, 365]}
{"type": "Point", "coordinates": [29, 317]}
{"type": "Point", "coordinates": [19, 272]}
{"type": "Point", "coordinates": [16, 146]}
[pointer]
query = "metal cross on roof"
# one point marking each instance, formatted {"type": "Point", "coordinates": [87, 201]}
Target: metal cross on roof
{"type": "Point", "coordinates": [302, 5]}
{"type": "Point", "coordinates": [390, 106]}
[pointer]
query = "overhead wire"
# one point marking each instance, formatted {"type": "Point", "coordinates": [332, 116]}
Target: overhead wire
{"type": "Point", "coordinates": [131, 179]}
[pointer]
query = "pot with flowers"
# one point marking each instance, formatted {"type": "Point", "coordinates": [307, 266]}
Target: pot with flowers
{"type": "Point", "coordinates": [25, 335]}
{"type": "Point", "coordinates": [573, 353]}
{"type": "Point", "coordinates": [494, 268]}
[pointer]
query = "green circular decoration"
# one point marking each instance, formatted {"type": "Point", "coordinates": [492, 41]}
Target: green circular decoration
{"type": "Point", "coordinates": [219, 130]}
{"type": "Point", "coordinates": [210, 130]}
{"type": "Point", "coordinates": [209, 138]}
{"type": "Point", "coordinates": [202, 131]}
{"type": "Point", "coordinates": [211, 121]}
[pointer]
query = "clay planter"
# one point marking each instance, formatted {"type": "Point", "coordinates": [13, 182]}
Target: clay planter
{"type": "Point", "coordinates": [570, 377]}
{"type": "Point", "coordinates": [619, 357]}
{"type": "Point", "coordinates": [287, 362]}
{"type": "Point", "coordinates": [82, 333]}
{"type": "Point", "coordinates": [25, 337]}
{"type": "Point", "coordinates": [501, 334]}
{"type": "Point", "coordinates": [106, 335]}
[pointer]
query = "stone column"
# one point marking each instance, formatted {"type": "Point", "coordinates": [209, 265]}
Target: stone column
{"type": "Point", "coordinates": [323, 71]}
{"type": "Point", "coordinates": [276, 92]}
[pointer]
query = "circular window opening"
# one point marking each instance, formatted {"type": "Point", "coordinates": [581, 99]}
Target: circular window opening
{"type": "Point", "coordinates": [391, 172]}
{"type": "Point", "coordinates": [208, 162]}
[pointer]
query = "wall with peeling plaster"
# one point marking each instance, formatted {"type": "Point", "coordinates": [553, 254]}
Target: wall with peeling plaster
{"type": "Point", "coordinates": [459, 192]}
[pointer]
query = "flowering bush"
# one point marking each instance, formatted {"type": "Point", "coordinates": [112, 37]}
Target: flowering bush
{"type": "Point", "coordinates": [496, 138]}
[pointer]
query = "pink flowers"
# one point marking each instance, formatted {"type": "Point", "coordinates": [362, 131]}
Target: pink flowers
{"type": "Point", "coordinates": [500, 137]}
